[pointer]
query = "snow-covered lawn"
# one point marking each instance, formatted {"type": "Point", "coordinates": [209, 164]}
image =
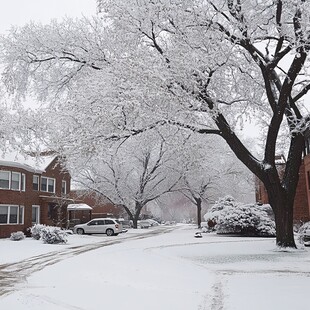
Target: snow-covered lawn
{"type": "Point", "coordinates": [171, 270]}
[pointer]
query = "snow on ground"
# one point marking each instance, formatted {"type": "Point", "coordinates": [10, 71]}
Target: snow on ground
{"type": "Point", "coordinates": [18, 250]}
{"type": "Point", "coordinates": [171, 270]}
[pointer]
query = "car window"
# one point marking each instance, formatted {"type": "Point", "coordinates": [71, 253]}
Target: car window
{"type": "Point", "coordinates": [101, 222]}
{"type": "Point", "coordinates": [93, 223]}
{"type": "Point", "coordinates": [109, 222]}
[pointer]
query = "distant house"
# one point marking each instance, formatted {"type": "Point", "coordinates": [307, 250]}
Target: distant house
{"type": "Point", "coordinates": [101, 206]}
{"type": "Point", "coordinates": [32, 190]}
{"type": "Point", "coordinates": [302, 198]}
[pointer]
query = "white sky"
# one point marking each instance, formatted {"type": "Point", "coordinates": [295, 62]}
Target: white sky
{"type": "Point", "coordinates": [19, 12]}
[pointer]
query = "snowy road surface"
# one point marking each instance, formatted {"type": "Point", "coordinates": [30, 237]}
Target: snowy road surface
{"type": "Point", "coordinates": [11, 273]}
{"type": "Point", "coordinates": [172, 271]}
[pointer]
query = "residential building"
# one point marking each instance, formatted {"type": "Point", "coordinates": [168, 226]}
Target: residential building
{"type": "Point", "coordinates": [32, 190]}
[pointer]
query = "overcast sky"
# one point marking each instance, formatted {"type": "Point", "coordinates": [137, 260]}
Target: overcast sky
{"type": "Point", "coordinates": [19, 12]}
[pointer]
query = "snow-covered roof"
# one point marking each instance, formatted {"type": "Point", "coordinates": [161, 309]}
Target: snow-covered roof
{"type": "Point", "coordinates": [79, 206]}
{"type": "Point", "coordinates": [36, 164]}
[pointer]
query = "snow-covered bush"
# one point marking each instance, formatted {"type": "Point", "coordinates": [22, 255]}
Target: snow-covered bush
{"type": "Point", "coordinates": [302, 230]}
{"type": "Point", "coordinates": [17, 236]}
{"type": "Point", "coordinates": [211, 217]}
{"type": "Point", "coordinates": [49, 234]}
{"type": "Point", "coordinates": [53, 235]}
{"type": "Point", "coordinates": [229, 217]}
{"type": "Point", "coordinates": [36, 230]}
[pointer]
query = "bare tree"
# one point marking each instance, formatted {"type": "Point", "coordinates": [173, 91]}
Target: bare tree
{"type": "Point", "coordinates": [133, 175]}
{"type": "Point", "coordinates": [210, 171]}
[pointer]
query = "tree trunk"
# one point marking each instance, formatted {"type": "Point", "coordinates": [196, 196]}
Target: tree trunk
{"type": "Point", "coordinates": [135, 221]}
{"type": "Point", "coordinates": [138, 209]}
{"type": "Point", "coordinates": [283, 208]}
{"type": "Point", "coordinates": [131, 217]}
{"type": "Point", "coordinates": [284, 228]}
{"type": "Point", "coordinates": [198, 204]}
{"type": "Point", "coordinates": [134, 217]}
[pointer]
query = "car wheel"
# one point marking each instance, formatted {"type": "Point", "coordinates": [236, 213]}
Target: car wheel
{"type": "Point", "coordinates": [80, 231]}
{"type": "Point", "coordinates": [109, 232]}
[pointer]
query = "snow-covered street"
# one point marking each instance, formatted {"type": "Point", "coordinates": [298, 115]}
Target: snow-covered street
{"type": "Point", "coordinates": [171, 270]}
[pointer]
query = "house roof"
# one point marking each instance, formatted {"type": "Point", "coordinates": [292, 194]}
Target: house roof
{"type": "Point", "coordinates": [37, 164]}
{"type": "Point", "coordinates": [79, 206]}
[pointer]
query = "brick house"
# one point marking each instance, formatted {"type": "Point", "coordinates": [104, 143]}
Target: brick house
{"type": "Point", "coordinates": [302, 198]}
{"type": "Point", "coordinates": [32, 191]}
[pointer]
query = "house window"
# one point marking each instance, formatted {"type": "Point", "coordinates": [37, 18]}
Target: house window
{"type": "Point", "coordinates": [64, 187]}
{"type": "Point", "coordinates": [44, 184]}
{"type": "Point", "coordinates": [23, 182]}
{"type": "Point", "coordinates": [4, 214]}
{"type": "Point", "coordinates": [5, 179]}
{"type": "Point", "coordinates": [13, 218]}
{"type": "Point", "coordinates": [35, 214]}
{"type": "Point", "coordinates": [21, 214]}
{"type": "Point", "coordinates": [15, 181]}
{"type": "Point", "coordinates": [11, 214]}
{"type": "Point", "coordinates": [51, 185]}
{"type": "Point", "coordinates": [35, 182]}
{"type": "Point", "coordinates": [47, 185]}
{"type": "Point", "coordinates": [12, 180]}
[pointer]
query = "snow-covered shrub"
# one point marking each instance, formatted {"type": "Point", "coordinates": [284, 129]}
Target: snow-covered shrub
{"type": "Point", "coordinates": [267, 208]}
{"type": "Point", "coordinates": [229, 217]}
{"type": "Point", "coordinates": [302, 230]}
{"type": "Point", "coordinates": [211, 217]}
{"type": "Point", "coordinates": [17, 236]}
{"type": "Point", "coordinates": [35, 231]}
{"type": "Point", "coordinates": [53, 235]}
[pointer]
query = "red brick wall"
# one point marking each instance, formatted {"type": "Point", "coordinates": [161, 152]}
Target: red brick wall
{"type": "Point", "coordinates": [307, 179]}
{"type": "Point", "coordinates": [301, 204]}
{"type": "Point", "coordinates": [260, 193]}
{"type": "Point", "coordinates": [31, 197]}
{"type": "Point", "coordinates": [302, 197]}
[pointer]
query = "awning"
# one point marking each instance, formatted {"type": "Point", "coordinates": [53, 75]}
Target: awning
{"type": "Point", "coordinates": [78, 207]}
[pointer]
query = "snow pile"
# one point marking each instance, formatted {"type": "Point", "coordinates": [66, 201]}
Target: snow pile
{"type": "Point", "coordinates": [229, 217]}
{"type": "Point", "coordinates": [17, 236]}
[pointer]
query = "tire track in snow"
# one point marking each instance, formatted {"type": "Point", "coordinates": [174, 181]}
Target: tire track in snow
{"type": "Point", "coordinates": [14, 273]}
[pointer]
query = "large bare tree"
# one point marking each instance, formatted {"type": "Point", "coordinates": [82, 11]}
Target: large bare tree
{"type": "Point", "coordinates": [131, 174]}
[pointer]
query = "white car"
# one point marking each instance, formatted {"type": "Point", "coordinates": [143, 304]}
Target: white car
{"type": "Point", "coordinates": [108, 226]}
{"type": "Point", "coordinates": [306, 237]}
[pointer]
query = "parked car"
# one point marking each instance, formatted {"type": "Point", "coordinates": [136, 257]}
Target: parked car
{"type": "Point", "coordinates": [144, 224]}
{"type": "Point", "coordinates": [126, 223]}
{"type": "Point", "coordinates": [108, 226]}
{"type": "Point", "coordinates": [306, 237]}
{"type": "Point", "coordinates": [147, 223]}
